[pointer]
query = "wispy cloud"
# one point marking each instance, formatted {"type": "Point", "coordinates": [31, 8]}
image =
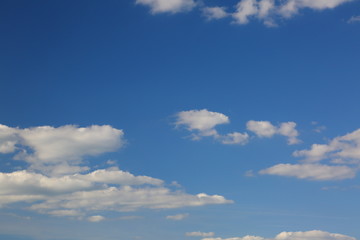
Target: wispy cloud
{"type": "Point", "coordinates": [178, 217]}
{"type": "Point", "coordinates": [354, 19]}
{"type": "Point", "coordinates": [199, 234]}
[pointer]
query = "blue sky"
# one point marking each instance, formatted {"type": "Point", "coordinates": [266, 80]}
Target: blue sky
{"type": "Point", "coordinates": [179, 119]}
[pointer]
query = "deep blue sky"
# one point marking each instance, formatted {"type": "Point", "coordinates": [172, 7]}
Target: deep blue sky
{"type": "Point", "coordinates": [90, 62]}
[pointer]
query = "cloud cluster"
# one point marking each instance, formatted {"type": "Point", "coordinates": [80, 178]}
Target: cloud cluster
{"type": "Point", "coordinates": [341, 156]}
{"type": "Point", "coordinates": [266, 129]}
{"type": "Point", "coordinates": [202, 123]}
{"type": "Point", "coordinates": [266, 11]}
{"type": "Point", "coordinates": [56, 184]}
{"type": "Point", "coordinates": [309, 235]}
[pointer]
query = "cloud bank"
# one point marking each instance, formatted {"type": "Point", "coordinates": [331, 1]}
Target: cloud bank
{"type": "Point", "coordinates": [310, 235]}
{"type": "Point", "coordinates": [57, 182]}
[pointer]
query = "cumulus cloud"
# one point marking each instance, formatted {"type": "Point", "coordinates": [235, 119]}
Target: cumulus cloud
{"type": "Point", "coordinates": [344, 149]}
{"type": "Point", "coordinates": [309, 235]}
{"type": "Point", "coordinates": [234, 138]}
{"type": "Point", "coordinates": [265, 129]}
{"type": "Point", "coordinates": [202, 123]}
{"type": "Point", "coordinates": [311, 171]}
{"type": "Point", "coordinates": [199, 234]}
{"type": "Point", "coordinates": [57, 151]}
{"type": "Point", "coordinates": [177, 217]}
{"type": "Point", "coordinates": [338, 159]}
{"type": "Point", "coordinates": [214, 12]}
{"type": "Point", "coordinates": [170, 6]}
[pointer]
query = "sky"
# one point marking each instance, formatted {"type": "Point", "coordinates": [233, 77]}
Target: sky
{"type": "Point", "coordinates": [179, 119]}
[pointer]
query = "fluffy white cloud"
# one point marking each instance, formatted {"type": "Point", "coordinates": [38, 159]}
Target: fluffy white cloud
{"type": "Point", "coordinates": [344, 149]}
{"type": "Point", "coordinates": [214, 12]}
{"type": "Point", "coordinates": [261, 128]}
{"type": "Point", "coordinates": [309, 235]}
{"type": "Point", "coordinates": [177, 217]}
{"type": "Point", "coordinates": [235, 138]}
{"type": "Point", "coordinates": [38, 186]}
{"type": "Point", "coordinates": [203, 122]}
{"type": "Point", "coordinates": [171, 6]}
{"type": "Point", "coordinates": [311, 171]}
{"type": "Point", "coordinates": [59, 150]}
{"type": "Point", "coordinates": [199, 234]}
{"type": "Point", "coordinates": [266, 129]}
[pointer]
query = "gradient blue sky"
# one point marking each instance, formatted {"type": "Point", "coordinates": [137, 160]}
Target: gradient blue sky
{"type": "Point", "coordinates": [158, 87]}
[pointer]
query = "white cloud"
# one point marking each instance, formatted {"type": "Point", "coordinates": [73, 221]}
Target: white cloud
{"type": "Point", "coordinates": [311, 171]}
{"type": "Point", "coordinates": [354, 19]}
{"type": "Point", "coordinates": [309, 235]}
{"type": "Point", "coordinates": [244, 10]}
{"type": "Point", "coordinates": [265, 7]}
{"type": "Point", "coordinates": [266, 11]}
{"type": "Point", "coordinates": [127, 198]}
{"type": "Point", "coordinates": [287, 129]}
{"type": "Point", "coordinates": [62, 196]}
{"type": "Point", "coordinates": [58, 151]}
{"type": "Point", "coordinates": [214, 12]}
{"type": "Point", "coordinates": [235, 138]}
{"type": "Point", "coordinates": [199, 234]}
{"type": "Point", "coordinates": [177, 217]}
{"type": "Point", "coordinates": [261, 128]}
{"type": "Point", "coordinates": [171, 6]}
{"type": "Point", "coordinates": [96, 218]}
{"type": "Point", "coordinates": [346, 148]}
{"type": "Point", "coordinates": [203, 122]}
{"type": "Point", "coordinates": [79, 194]}
{"type": "Point", "coordinates": [266, 129]}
